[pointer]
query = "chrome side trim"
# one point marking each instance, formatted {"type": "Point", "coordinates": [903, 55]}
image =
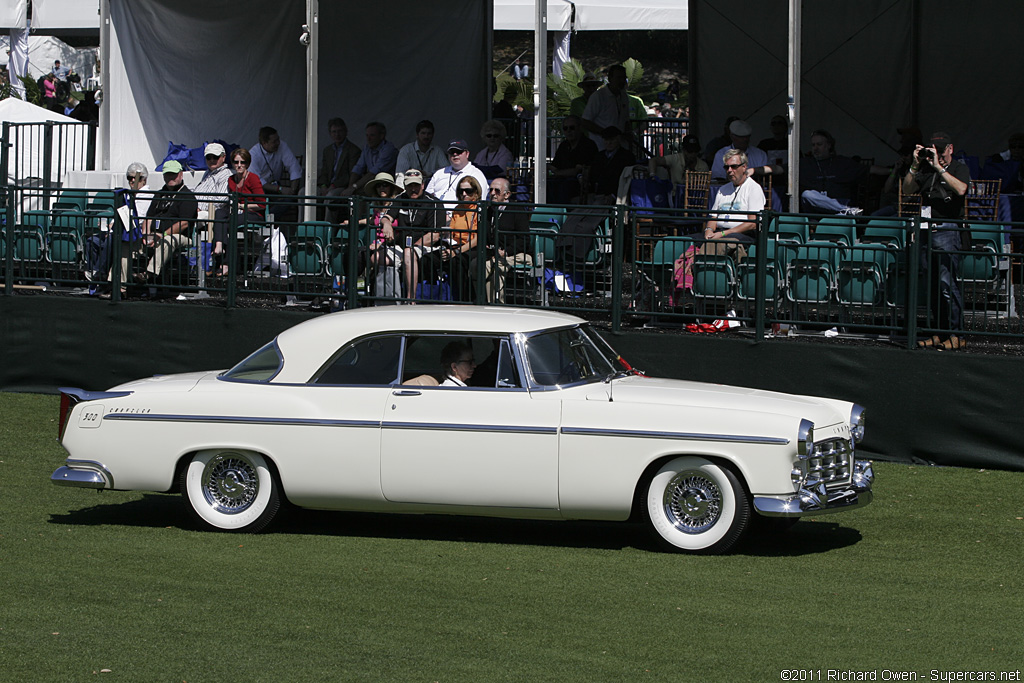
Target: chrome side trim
{"type": "Point", "coordinates": [228, 419]}
{"type": "Point", "coordinates": [453, 427]}
{"type": "Point", "coordinates": [683, 436]}
{"type": "Point", "coordinates": [92, 475]}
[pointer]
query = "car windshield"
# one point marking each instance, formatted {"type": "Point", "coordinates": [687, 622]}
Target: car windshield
{"type": "Point", "coordinates": [259, 367]}
{"type": "Point", "coordinates": [570, 356]}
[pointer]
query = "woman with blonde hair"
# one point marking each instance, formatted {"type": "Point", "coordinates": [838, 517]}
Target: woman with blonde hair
{"type": "Point", "coordinates": [455, 246]}
{"type": "Point", "coordinates": [495, 158]}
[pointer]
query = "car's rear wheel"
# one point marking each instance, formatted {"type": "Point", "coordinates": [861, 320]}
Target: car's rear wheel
{"type": "Point", "coordinates": [694, 505]}
{"type": "Point", "coordinates": [230, 490]}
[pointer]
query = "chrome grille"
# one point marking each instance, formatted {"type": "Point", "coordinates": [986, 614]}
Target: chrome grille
{"type": "Point", "coordinates": [831, 463]}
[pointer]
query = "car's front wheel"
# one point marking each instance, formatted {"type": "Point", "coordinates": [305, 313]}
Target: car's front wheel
{"type": "Point", "coordinates": [230, 490]}
{"type": "Point", "coordinates": [694, 505]}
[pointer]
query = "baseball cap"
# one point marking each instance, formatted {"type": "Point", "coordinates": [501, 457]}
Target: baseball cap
{"type": "Point", "coordinates": [459, 144]}
{"type": "Point", "coordinates": [940, 140]}
{"type": "Point", "coordinates": [412, 177]}
{"type": "Point", "coordinates": [172, 167]}
{"type": "Point", "coordinates": [691, 143]}
{"type": "Point", "coordinates": [214, 148]}
{"type": "Point", "coordinates": [741, 128]}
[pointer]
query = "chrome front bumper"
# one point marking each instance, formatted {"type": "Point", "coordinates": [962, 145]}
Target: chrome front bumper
{"type": "Point", "coordinates": [820, 501]}
{"type": "Point", "coordinates": [90, 475]}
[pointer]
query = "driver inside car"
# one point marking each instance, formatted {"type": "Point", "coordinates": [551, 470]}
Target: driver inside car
{"type": "Point", "coordinates": [457, 364]}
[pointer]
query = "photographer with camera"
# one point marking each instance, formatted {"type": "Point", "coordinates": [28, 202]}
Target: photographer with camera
{"type": "Point", "coordinates": [942, 183]}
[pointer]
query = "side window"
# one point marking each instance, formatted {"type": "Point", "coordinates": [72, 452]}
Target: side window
{"type": "Point", "coordinates": [370, 361]}
{"type": "Point", "coordinates": [495, 366]}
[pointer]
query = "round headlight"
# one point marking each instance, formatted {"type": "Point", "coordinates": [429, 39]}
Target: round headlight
{"type": "Point", "coordinates": [857, 423]}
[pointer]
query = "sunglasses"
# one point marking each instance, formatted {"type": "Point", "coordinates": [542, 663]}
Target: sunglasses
{"type": "Point", "coordinates": [239, 162]}
{"type": "Point", "coordinates": [465, 190]}
{"type": "Point", "coordinates": [496, 190]}
{"type": "Point", "coordinates": [134, 177]}
{"type": "Point", "coordinates": [212, 157]}
{"type": "Point", "coordinates": [492, 135]}
{"type": "Point", "coordinates": [733, 166]}
{"type": "Point", "coordinates": [456, 152]}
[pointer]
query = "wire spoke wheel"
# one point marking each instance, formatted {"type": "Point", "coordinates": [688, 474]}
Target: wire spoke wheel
{"type": "Point", "coordinates": [695, 505]}
{"type": "Point", "coordinates": [230, 490]}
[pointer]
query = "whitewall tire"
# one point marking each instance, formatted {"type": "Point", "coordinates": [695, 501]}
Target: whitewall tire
{"type": "Point", "coordinates": [694, 505]}
{"type": "Point", "coordinates": [230, 490]}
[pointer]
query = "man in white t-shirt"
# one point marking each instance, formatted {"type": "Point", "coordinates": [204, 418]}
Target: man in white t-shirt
{"type": "Point", "coordinates": [739, 200]}
{"type": "Point", "coordinates": [445, 181]}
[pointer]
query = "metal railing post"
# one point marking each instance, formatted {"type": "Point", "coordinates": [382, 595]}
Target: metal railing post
{"type": "Point", "coordinates": [618, 254]}
{"type": "Point", "coordinates": [761, 274]}
{"type": "Point", "coordinates": [483, 238]}
{"type": "Point", "coordinates": [913, 268]}
{"type": "Point", "coordinates": [47, 162]}
{"type": "Point", "coordinates": [232, 246]}
{"type": "Point", "coordinates": [7, 195]}
{"type": "Point", "coordinates": [352, 252]}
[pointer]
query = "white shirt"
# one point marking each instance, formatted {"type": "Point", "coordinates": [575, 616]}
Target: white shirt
{"type": "Point", "coordinates": [450, 381]}
{"type": "Point", "coordinates": [215, 182]}
{"type": "Point", "coordinates": [270, 167]}
{"type": "Point", "coordinates": [605, 108]}
{"type": "Point", "coordinates": [755, 157]}
{"type": "Point", "coordinates": [445, 182]}
{"type": "Point", "coordinates": [748, 198]}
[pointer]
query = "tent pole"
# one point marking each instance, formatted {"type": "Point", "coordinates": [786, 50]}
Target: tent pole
{"type": "Point", "coordinates": [794, 104]}
{"type": "Point", "coordinates": [311, 39]}
{"type": "Point", "coordinates": [540, 104]}
{"type": "Point", "coordinates": [104, 131]}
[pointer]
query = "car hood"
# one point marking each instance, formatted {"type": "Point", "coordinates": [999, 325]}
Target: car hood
{"type": "Point", "coordinates": [180, 382]}
{"type": "Point", "coordinates": [639, 389]}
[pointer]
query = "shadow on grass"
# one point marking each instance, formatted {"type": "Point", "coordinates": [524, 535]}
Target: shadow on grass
{"type": "Point", "coordinates": [163, 510]}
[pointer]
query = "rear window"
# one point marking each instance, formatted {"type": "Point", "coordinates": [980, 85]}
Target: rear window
{"type": "Point", "coordinates": [261, 366]}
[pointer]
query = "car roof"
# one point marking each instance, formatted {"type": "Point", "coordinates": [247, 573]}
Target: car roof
{"type": "Point", "coordinates": [308, 345]}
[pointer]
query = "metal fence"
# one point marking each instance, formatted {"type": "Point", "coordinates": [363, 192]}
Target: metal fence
{"type": "Point", "coordinates": [836, 275]}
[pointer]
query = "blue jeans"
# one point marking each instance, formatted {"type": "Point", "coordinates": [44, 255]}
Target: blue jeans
{"type": "Point", "coordinates": [821, 200]}
{"type": "Point", "coordinates": [937, 257]}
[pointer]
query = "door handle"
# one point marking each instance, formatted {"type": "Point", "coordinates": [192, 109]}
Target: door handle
{"type": "Point", "coordinates": [405, 392]}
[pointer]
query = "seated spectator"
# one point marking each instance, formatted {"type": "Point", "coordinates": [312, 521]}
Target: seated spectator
{"type": "Point", "coordinates": [99, 248]}
{"type": "Point", "coordinates": [336, 160]}
{"type": "Point", "coordinates": [382, 189]}
{"type": "Point", "coordinates": [777, 146]}
{"type": "Point", "coordinates": [739, 132]}
{"type": "Point", "coordinates": [422, 154]}
{"type": "Point", "coordinates": [406, 224]}
{"type": "Point", "coordinates": [251, 200]}
{"type": "Point", "coordinates": [681, 162]}
{"type": "Point", "coordinates": [608, 167]}
{"type": "Point", "coordinates": [168, 221]}
{"type": "Point", "coordinates": [504, 109]}
{"type": "Point", "coordinates": [1013, 180]}
{"type": "Point", "coordinates": [87, 110]}
{"type": "Point", "coordinates": [378, 156]}
{"type": "Point", "coordinates": [278, 170]}
{"type": "Point", "coordinates": [444, 183]}
{"type": "Point", "coordinates": [495, 158]}
{"type": "Point", "coordinates": [214, 207]}
{"type": "Point", "coordinates": [715, 144]}
{"type": "Point", "coordinates": [457, 364]}
{"type": "Point", "coordinates": [456, 245]}
{"type": "Point", "coordinates": [828, 181]}
{"type": "Point", "coordinates": [740, 200]}
{"type": "Point", "coordinates": [1014, 149]}
{"type": "Point", "coordinates": [510, 238]}
{"type": "Point", "coordinates": [573, 159]}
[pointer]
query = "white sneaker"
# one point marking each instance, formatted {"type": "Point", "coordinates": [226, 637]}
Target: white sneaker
{"type": "Point", "coordinates": [851, 211]}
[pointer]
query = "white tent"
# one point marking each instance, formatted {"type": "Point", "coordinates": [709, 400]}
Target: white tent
{"type": "Point", "coordinates": [594, 15]}
{"type": "Point", "coordinates": [28, 155]}
{"type": "Point", "coordinates": [188, 71]}
{"type": "Point", "coordinates": [43, 50]}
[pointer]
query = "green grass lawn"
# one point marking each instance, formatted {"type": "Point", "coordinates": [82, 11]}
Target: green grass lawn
{"type": "Point", "coordinates": [927, 577]}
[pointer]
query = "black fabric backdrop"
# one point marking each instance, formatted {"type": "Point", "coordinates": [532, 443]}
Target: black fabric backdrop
{"type": "Point", "coordinates": [948, 409]}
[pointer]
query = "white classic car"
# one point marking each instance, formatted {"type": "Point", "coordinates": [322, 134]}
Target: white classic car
{"type": "Point", "coordinates": [370, 410]}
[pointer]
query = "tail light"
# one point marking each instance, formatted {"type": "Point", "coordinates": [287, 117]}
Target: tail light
{"type": "Point", "coordinates": [67, 402]}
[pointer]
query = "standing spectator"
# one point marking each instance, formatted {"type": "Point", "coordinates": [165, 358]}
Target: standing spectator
{"type": "Point", "coordinates": [510, 238]}
{"type": "Point", "coordinates": [60, 72]}
{"type": "Point", "coordinates": [777, 146]}
{"type": "Point", "coordinates": [443, 184]}
{"type": "Point", "coordinates": [87, 109]}
{"type": "Point", "coordinates": [422, 154]}
{"type": "Point", "coordinates": [742, 197]}
{"type": "Point", "coordinates": [608, 106]}
{"type": "Point", "coordinates": [215, 205]}
{"type": "Point", "coordinates": [168, 221]}
{"type": "Point", "coordinates": [573, 160]}
{"type": "Point", "coordinates": [378, 156]}
{"type": "Point", "coordinates": [495, 158]}
{"type": "Point", "coordinates": [608, 165]}
{"type": "Point", "coordinates": [942, 182]}
{"type": "Point", "coordinates": [588, 85]}
{"type": "Point", "coordinates": [715, 144]}
{"type": "Point", "coordinates": [337, 160]}
{"type": "Point", "coordinates": [49, 88]}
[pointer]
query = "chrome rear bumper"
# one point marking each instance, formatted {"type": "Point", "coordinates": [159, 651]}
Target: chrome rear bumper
{"type": "Point", "coordinates": [92, 476]}
{"type": "Point", "coordinates": [820, 501]}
